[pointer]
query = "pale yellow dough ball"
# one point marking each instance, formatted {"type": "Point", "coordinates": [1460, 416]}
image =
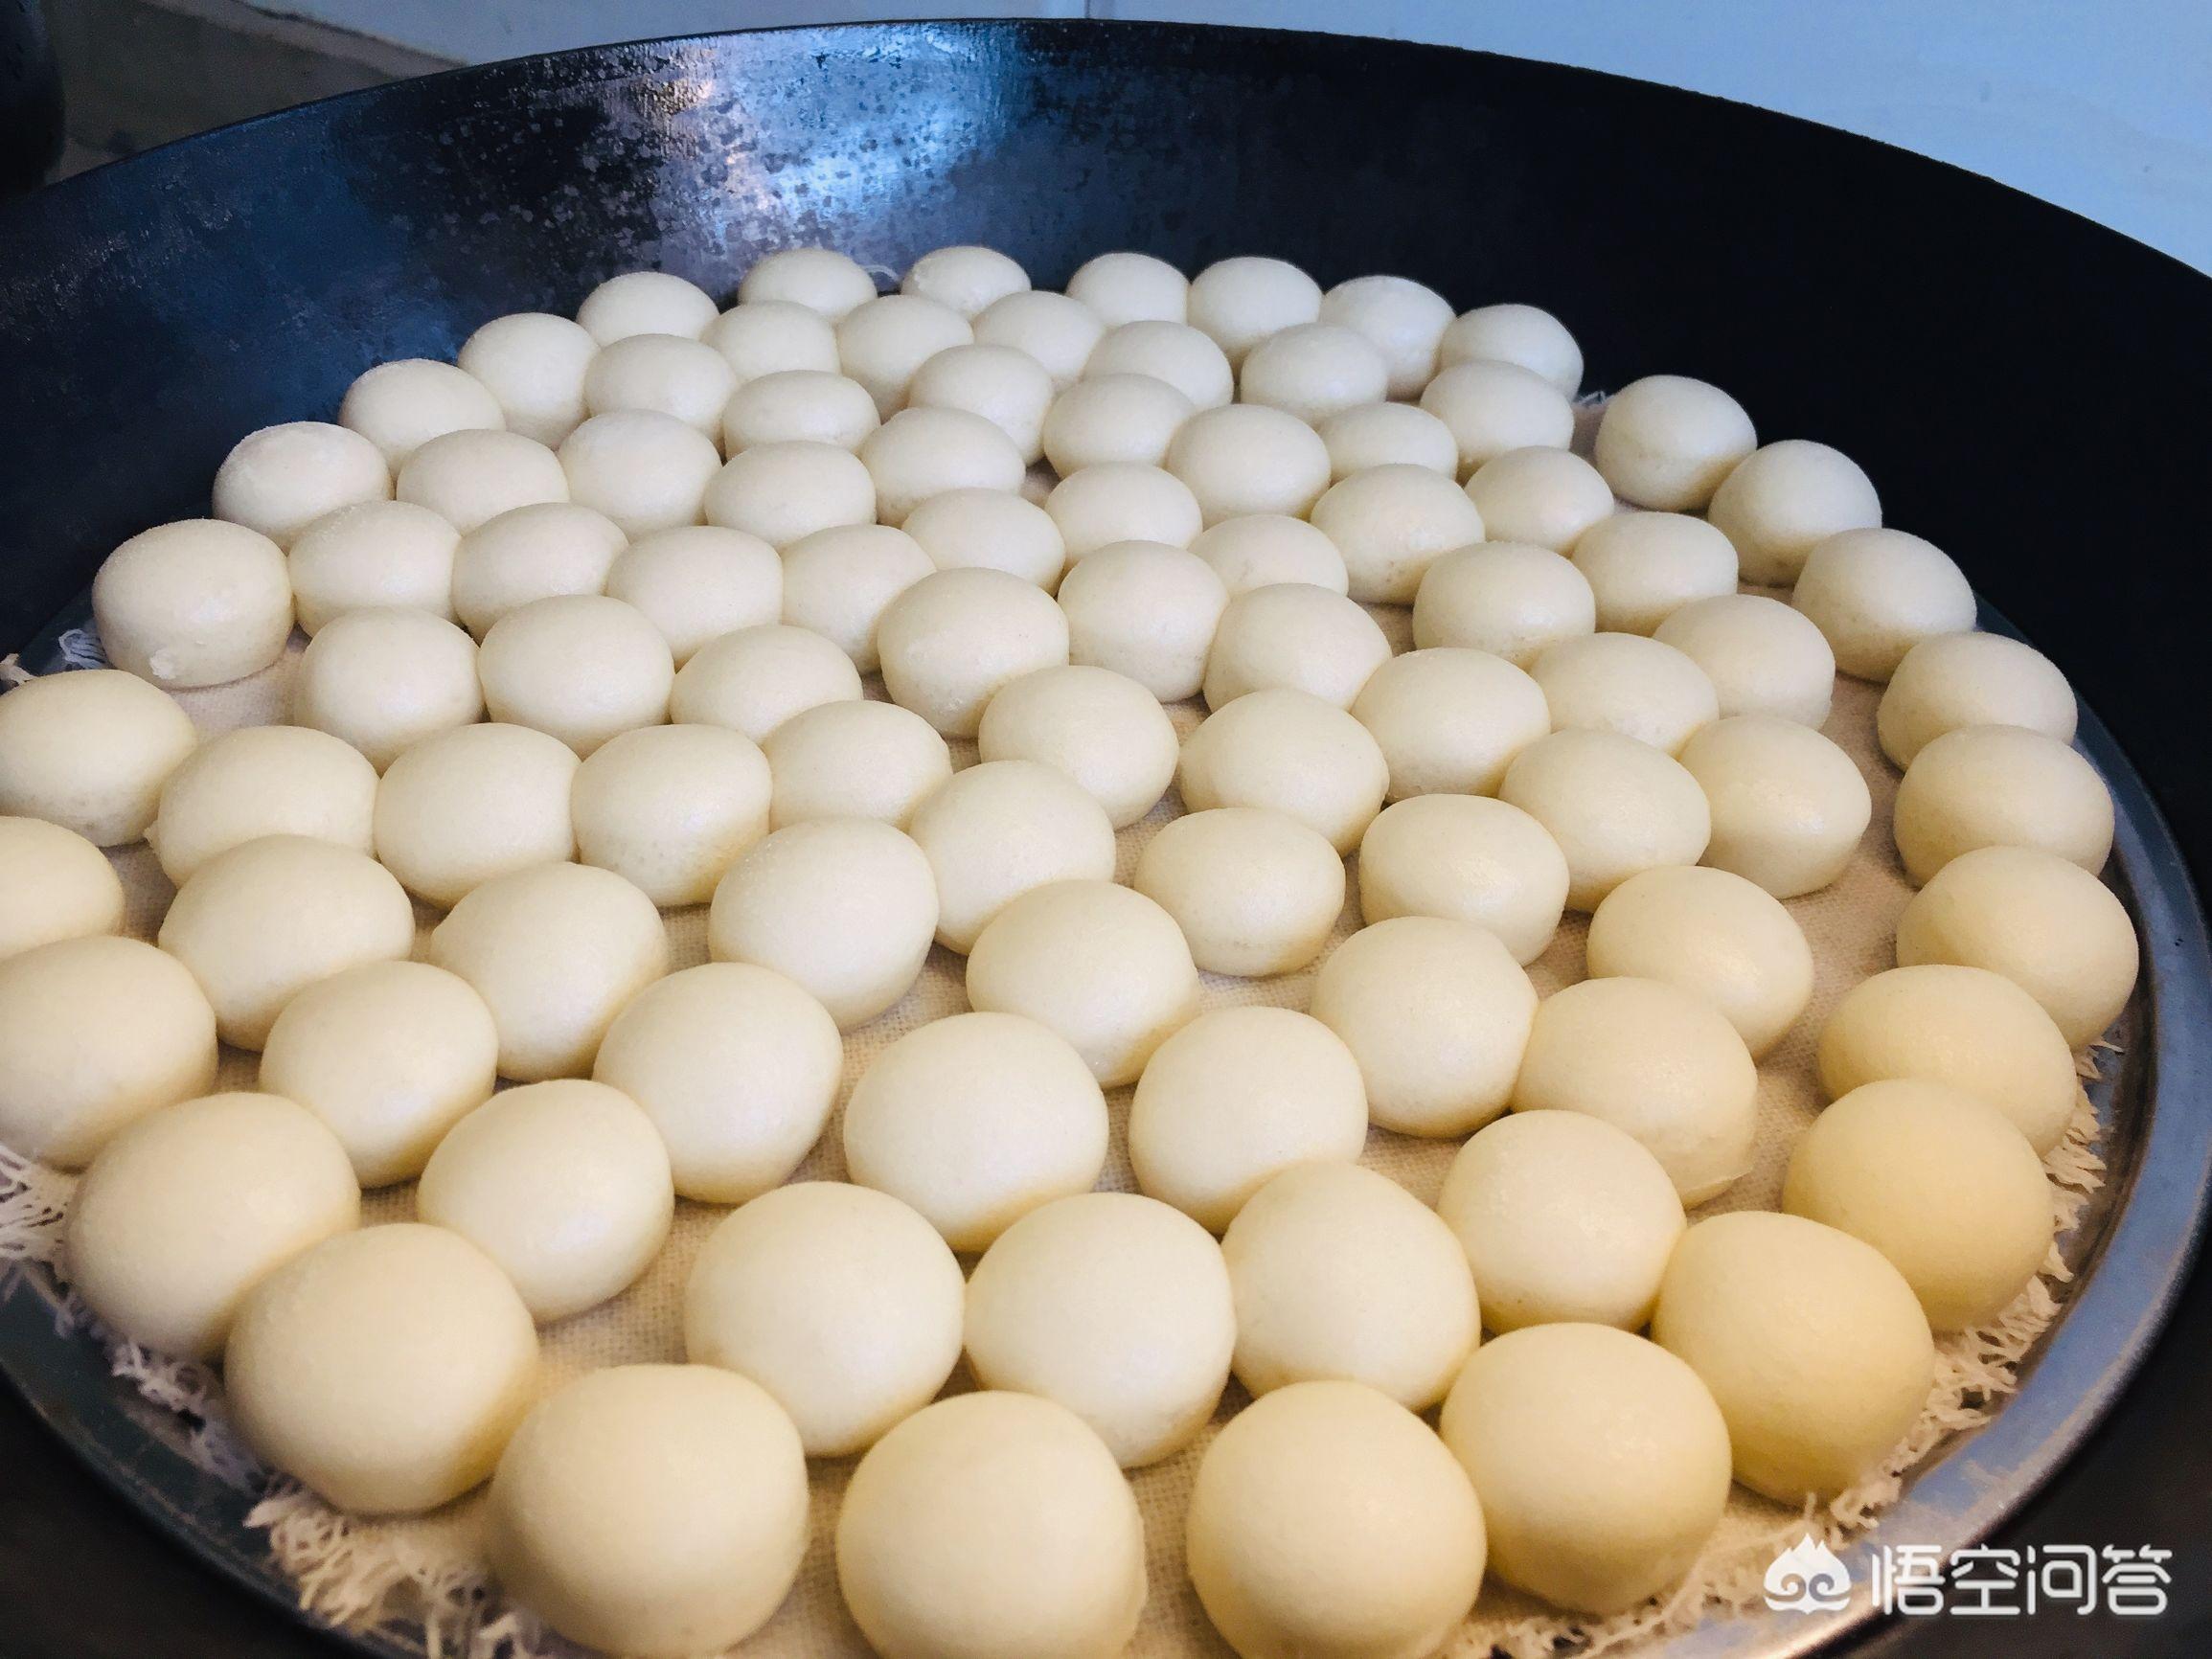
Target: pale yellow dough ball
{"type": "Point", "coordinates": [991, 529]}
{"type": "Point", "coordinates": [854, 760]}
{"type": "Point", "coordinates": [1240, 302]}
{"type": "Point", "coordinates": [580, 667]}
{"type": "Point", "coordinates": [534, 364]}
{"type": "Point", "coordinates": [1146, 611]}
{"type": "Point", "coordinates": [919, 452]}
{"type": "Point", "coordinates": [55, 885]}
{"type": "Point", "coordinates": [2000, 786]}
{"type": "Point", "coordinates": [883, 341]}
{"type": "Point", "coordinates": [1714, 934]}
{"type": "Point", "coordinates": [1101, 728]}
{"type": "Point", "coordinates": [1245, 458]}
{"type": "Point", "coordinates": [1667, 442]}
{"type": "Point", "coordinates": [1496, 407]}
{"type": "Point", "coordinates": [829, 284]}
{"type": "Point", "coordinates": [1613, 805]}
{"type": "Point", "coordinates": [1625, 683]}
{"type": "Point", "coordinates": [1386, 433]}
{"type": "Point", "coordinates": [999, 829]}
{"type": "Point", "coordinates": [966, 279]}
{"type": "Point", "coordinates": [464, 807]}
{"type": "Point", "coordinates": [798, 406]}
{"type": "Point", "coordinates": [763, 337]}
{"type": "Point", "coordinates": [646, 303]}
{"type": "Point", "coordinates": [1130, 419]}
{"type": "Point", "coordinates": [1468, 858]}
{"type": "Point", "coordinates": [1402, 319]}
{"type": "Point", "coordinates": [1256, 893]}
{"type": "Point", "coordinates": [1788, 805]}
{"type": "Point", "coordinates": [1169, 351]}
{"type": "Point", "coordinates": [1877, 593]}
{"type": "Point", "coordinates": [697, 583]}
{"type": "Point", "coordinates": [1391, 524]}
{"type": "Point", "coordinates": [1000, 384]}
{"type": "Point", "coordinates": [837, 583]}
{"type": "Point", "coordinates": [1130, 287]}
{"type": "Point", "coordinates": [198, 603]}
{"type": "Point", "coordinates": [1054, 331]}
{"type": "Point", "coordinates": [387, 680]}
{"type": "Point", "coordinates": [670, 808]}
{"type": "Point", "coordinates": [1644, 566]}
{"type": "Point", "coordinates": [1783, 499]}
{"type": "Point", "coordinates": [1972, 679]}
{"type": "Point", "coordinates": [952, 640]}
{"type": "Point", "coordinates": [1509, 598]}
{"type": "Point", "coordinates": [672, 374]}
{"type": "Point", "coordinates": [756, 678]}
{"type": "Point", "coordinates": [262, 781]}
{"type": "Point", "coordinates": [1289, 750]}
{"type": "Point", "coordinates": [1450, 720]}
{"type": "Point", "coordinates": [280, 479]}
{"type": "Point", "coordinates": [1265, 548]}
{"type": "Point", "coordinates": [1539, 497]}
{"type": "Point", "coordinates": [1123, 501]}
{"type": "Point", "coordinates": [469, 477]}
{"type": "Point", "coordinates": [644, 469]}
{"type": "Point", "coordinates": [1299, 636]}
{"type": "Point", "coordinates": [1523, 334]}
{"type": "Point", "coordinates": [369, 556]}
{"type": "Point", "coordinates": [783, 491]}
{"type": "Point", "coordinates": [1762, 656]}
{"type": "Point", "coordinates": [1311, 371]}
{"type": "Point", "coordinates": [401, 405]}
{"type": "Point", "coordinates": [534, 551]}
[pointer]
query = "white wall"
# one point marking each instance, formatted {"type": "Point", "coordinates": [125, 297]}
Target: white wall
{"type": "Point", "coordinates": [2104, 106]}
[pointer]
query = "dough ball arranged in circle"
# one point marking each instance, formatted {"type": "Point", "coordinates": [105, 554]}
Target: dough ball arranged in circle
{"type": "Point", "coordinates": [533, 363]}
{"type": "Point", "coordinates": [262, 781]}
{"type": "Point", "coordinates": [401, 405]}
{"type": "Point", "coordinates": [186, 1209]}
{"type": "Point", "coordinates": [1505, 598]}
{"type": "Point", "coordinates": [530, 553]}
{"type": "Point", "coordinates": [1783, 499]}
{"type": "Point", "coordinates": [949, 642]}
{"type": "Point", "coordinates": [372, 555]}
{"type": "Point", "coordinates": [1468, 858]}
{"type": "Point", "coordinates": [854, 760]}
{"type": "Point", "coordinates": [991, 1526]}
{"type": "Point", "coordinates": [1167, 350]}
{"type": "Point", "coordinates": [198, 603]}
{"type": "Point", "coordinates": [882, 342]}
{"type": "Point", "coordinates": [386, 680]}
{"type": "Point", "coordinates": [384, 1368]}
{"type": "Point", "coordinates": [837, 583]}
{"type": "Point", "coordinates": [1054, 331]}
{"type": "Point", "coordinates": [1667, 442]}
{"type": "Point", "coordinates": [1813, 1347]}
{"type": "Point", "coordinates": [1524, 334]}
{"type": "Point", "coordinates": [1388, 434]}
{"type": "Point", "coordinates": [669, 809]}
{"type": "Point", "coordinates": [755, 679]}
{"type": "Point", "coordinates": [668, 373]}
{"type": "Point", "coordinates": [1256, 893]}
{"type": "Point", "coordinates": [799, 406]}
{"type": "Point", "coordinates": [1642, 567]}
{"type": "Point", "coordinates": [966, 279]}
{"type": "Point", "coordinates": [565, 1184]}
{"type": "Point", "coordinates": [644, 469]}
{"type": "Point", "coordinates": [1601, 1461]}
{"type": "Point", "coordinates": [1245, 459]}
{"type": "Point", "coordinates": [1123, 501]}
{"type": "Point", "coordinates": [1311, 371]}
{"type": "Point", "coordinates": [651, 1510]}
{"type": "Point", "coordinates": [1106, 420]}
{"type": "Point", "coordinates": [1265, 549]}
{"type": "Point", "coordinates": [993, 529]}
{"type": "Point", "coordinates": [1114, 1305]}
{"type": "Point", "coordinates": [1437, 1012]}
{"type": "Point", "coordinates": [764, 337]}
{"type": "Point", "coordinates": [1539, 497]}
{"type": "Point", "coordinates": [53, 885]}
{"type": "Point", "coordinates": [1402, 319]}
{"type": "Point", "coordinates": [95, 1033]}
{"type": "Point", "coordinates": [1625, 683]}
{"type": "Point", "coordinates": [921, 452]}
{"type": "Point", "coordinates": [783, 491]}
{"type": "Point", "coordinates": [1146, 611]}
{"type": "Point", "coordinates": [1450, 721]}
{"type": "Point", "coordinates": [1242, 301]}
{"type": "Point", "coordinates": [1293, 752]}
{"type": "Point", "coordinates": [1000, 384]}
{"type": "Point", "coordinates": [1126, 287]}
{"type": "Point", "coordinates": [555, 951]}
{"type": "Point", "coordinates": [697, 583]}
{"type": "Point", "coordinates": [280, 480]}
{"type": "Point", "coordinates": [1613, 805]}
{"type": "Point", "coordinates": [1391, 523]}
{"type": "Point", "coordinates": [2000, 786]}
{"type": "Point", "coordinates": [1295, 635]}
{"type": "Point", "coordinates": [646, 303]}
{"type": "Point", "coordinates": [1101, 728]}
{"type": "Point", "coordinates": [829, 284]}
{"type": "Point", "coordinates": [1762, 656]}
{"type": "Point", "coordinates": [1788, 805]}
{"type": "Point", "coordinates": [1494, 408]}
{"type": "Point", "coordinates": [1972, 679]}
{"type": "Point", "coordinates": [1877, 593]}
{"type": "Point", "coordinates": [735, 1066]}
{"type": "Point", "coordinates": [844, 907]}
{"type": "Point", "coordinates": [468, 478]}
{"type": "Point", "coordinates": [1234, 1099]}
{"type": "Point", "coordinates": [1001, 829]}
{"type": "Point", "coordinates": [460, 808]}
{"type": "Point", "coordinates": [1563, 1219]}
{"type": "Point", "coordinates": [1711, 933]}
{"type": "Point", "coordinates": [975, 1121]}
{"type": "Point", "coordinates": [840, 1301]}
{"type": "Point", "coordinates": [389, 1055]}
{"type": "Point", "coordinates": [582, 668]}
{"type": "Point", "coordinates": [1963, 1027]}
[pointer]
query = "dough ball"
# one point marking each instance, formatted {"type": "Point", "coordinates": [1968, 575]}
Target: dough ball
{"type": "Point", "coordinates": [668, 373]}
{"type": "Point", "coordinates": [991, 529]}
{"type": "Point", "coordinates": [843, 907]}
{"type": "Point", "coordinates": [651, 1510]}
{"type": "Point", "coordinates": [532, 364]}
{"type": "Point", "coordinates": [1450, 720]}
{"type": "Point", "coordinates": [1715, 935]}
{"type": "Point", "coordinates": [824, 281]}
{"type": "Point", "coordinates": [1762, 656]}
{"type": "Point", "coordinates": [1389, 434]}
{"type": "Point", "coordinates": [699, 582]}
{"type": "Point", "coordinates": [1877, 593]}
{"type": "Point", "coordinates": [1496, 407]}
{"type": "Point", "coordinates": [580, 667]}
{"type": "Point", "coordinates": [881, 344]}
{"type": "Point", "coordinates": [763, 337]}
{"type": "Point", "coordinates": [1391, 523]}
{"type": "Point", "coordinates": [385, 1368]}
{"type": "Point", "coordinates": [854, 760]}
{"type": "Point", "coordinates": [1539, 497]}
{"type": "Point", "coordinates": [370, 556]}
{"type": "Point", "coordinates": [1146, 611]}
{"type": "Point", "coordinates": [949, 642]}
{"type": "Point", "coordinates": [991, 1526]}
{"type": "Point", "coordinates": [645, 470]}
{"type": "Point", "coordinates": [1972, 679]}
{"type": "Point", "coordinates": [755, 679]}
{"type": "Point", "coordinates": [1963, 1027]}
{"type": "Point", "coordinates": [2000, 786]}
{"type": "Point", "coordinates": [1242, 301]}
{"type": "Point", "coordinates": [389, 1055]}
{"type": "Point", "coordinates": [1564, 1218]}
{"type": "Point", "coordinates": [1125, 287]}
{"type": "Point", "coordinates": [198, 603]}
{"type": "Point", "coordinates": [921, 452]}
{"type": "Point", "coordinates": [96, 1032]}
{"type": "Point", "coordinates": [1523, 334]}
{"type": "Point", "coordinates": [1625, 683]}
{"type": "Point", "coordinates": [1812, 1344]}
{"type": "Point", "coordinates": [783, 491]}
{"type": "Point", "coordinates": [468, 477]}
{"type": "Point", "coordinates": [2047, 925]}
{"type": "Point", "coordinates": [998, 829]}
{"type": "Point", "coordinates": [1235, 1097]}
{"type": "Point", "coordinates": [1101, 728]}
{"type": "Point", "coordinates": [1787, 807]}
{"type": "Point", "coordinates": [1106, 419]}
{"type": "Point", "coordinates": [1056, 332]}
{"type": "Point", "coordinates": [555, 951]}
{"type": "Point", "coordinates": [466, 806]}
{"type": "Point", "coordinates": [646, 303]}
{"type": "Point", "coordinates": [966, 279]}
{"type": "Point", "coordinates": [1466, 858]}
{"type": "Point", "coordinates": [1244, 457]}
{"type": "Point", "coordinates": [1311, 371]}
{"type": "Point", "coordinates": [975, 1120]}
{"type": "Point", "coordinates": [1256, 893]}
{"type": "Point", "coordinates": [1643, 567]}
{"type": "Point", "coordinates": [1291, 751]}
{"type": "Point", "coordinates": [261, 922]}
{"type": "Point", "coordinates": [280, 479]}
{"type": "Point", "coordinates": [1123, 501]}
{"type": "Point", "coordinates": [1783, 498]}
{"type": "Point", "coordinates": [837, 583]}
{"type": "Point", "coordinates": [387, 680]}
{"type": "Point", "coordinates": [799, 406]}
{"type": "Point", "coordinates": [1297, 635]}
{"type": "Point", "coordinates": [1266, 549]}
{"type": "Point", "coordinates": [1613, 805]}
{"type": "Point", "coordinates": [564, 1185]}
{"type": "Point", "coordinates": [1116, 1307]}
{"type": "Point", "coordinates": [1507, 598]}
{"type": "Point", "coordinates": [1184, 357]}
{"type": "Point", "coordinates": [400, 406]}
{"type": "Point", "coordinates": [840, 1301]}
{"type": "Point", "coordinates": [1325, 1521]}
{"type": "Point", "coordinates": [999, 384]}
{"type": "Point", "coordinates": [669, 809]}
{"type": "Point", "coordinates": [738, 1069]}
{"type": "Point", "coordinates": [1402, 319]}
{"type": "Point", "coordinates": [1666, 441]}
{"type": "Point", "coordinates": [1601, 1461]}
{"type": "Point", "coordinates": [540, 551]}
{"type": "Point", "coordinates": [262, 781]}
{"type": "Point", "coordinates": [187, 1208]}
{"type": "Point", "coordinates": [55, 885]}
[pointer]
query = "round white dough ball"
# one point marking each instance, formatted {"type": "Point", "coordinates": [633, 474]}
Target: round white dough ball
{"type": "Point", "coordinates": [854, 760]}
{"type": "Point", "coordinates": [1311, 371]}
{"type": "Point", "coordinates": [555, 951]}
{"type": "Point", "coordinates": [949, 642]}
{"type": "Point", "coordinates": [465, 806]}
{"type": "Point", "coordinates": [993, 529]}
{"type": "Point", "coordinates": [1288, 750]}
{"type": "Point", "coordinates": [1114, 418]}
{"type": "Point", "coordinates": [1169, 351]}
{"type": "Point", "coordinates": [840, 1301]}
{"type": "Point", "coordinates": [1762, 656]}
{"type": "Point", "coordinates": [198, 603]}
{"type": "Point", "coordinates": [1450, 720]}
{"type": "Point", "coordinates": [828, 283]}
{"type": "Point", "coordinates": [580, 667]}
{"type": "Point", "coordinates": [1300, 635]}
{"type": "Point", "coordinates": [798, 406]}
{"type": "Point", "coordinates": [1101, 728]}
{"type": "Point", "coordinates": [55, 884]}
{"type": "Point", "coordinates": [1509, 598]}
{"type": "Point", "coordinates": [756, 678]}
{"type": "Point", "coordinates": [469, 477]}
{"type": "Point", "coordinates": [965, 279]}
{"type": "Point", "coordinates": [673, 373]}
{"type": "Point", "coordinates": [1972, 679]}
{"type": "Point", "coordinates": [1114, 1305]}
{"type": "Point", "coordinates": [1783, 498]}
{"type": "Point", "coordinates": [533, 363]}
{"type": "Point", "coordinates": [881, 344]}
{"type": "Point", "coordinates": [1642, 567]}
{"type": "Point", "coordinates": [1469, 858]}
{"type": "Point", "coordinates": [919, 452]}
{"type": "Point", "coordinates": [401, 405]}
{"type": "Point", "coordinates": [2000, 786]}
{"type": "Point", "coordinates": [976, 1120]}
{"type": "Point", "coordinates": [1054, 332]}
{"type": "Point", "coordinates": [1523, 334]}
{"type": "Point", "coordinates": [1392, 523]}
{"type": "Point", "coordinates": [389, 1055]}
{"type": "Point", "coordinates": [762, 338]}
{"type": "Point", "coordinates": [1541, 497]}
{"type": "Point", "coordinates": [1402, 319]}
{"type": "Point", "coordinates": [1813, 1347]}
{"type": "Point", "coordinates": [1006, 387]}
{"type": "Point", "coordinates": [1256, 893]}
{"type": "Point", "coordinates": [1625, 683]}
{"type": "Point", "coordinates": [1787, 805]}
{"type": "Point", "coordinates": [538, 551]}
{"type": "Point", "coordinates": [1388, 434]}
{"type": "Point", "coordinates": [1242, 301]}
{"type": "Point", "coordinates": [1494, 408]}
{"type": "Point", "coordinates": [737, 1067]}
{"type": "Point", "coordinates": [1129, 288]}
{"type": "Point", "coordinates": [1877, 593]}
{"type": "Point", "coordinates": [1667, 442]}
{"type": "Point", "coordinates": [669, 809]}
{"type": "Point", "coordinates": [387, 680]}
{"type": "Point", "coordinates": [1613, 805]}
{"type": "Point", "coordinates": [699, 582]}
{"type": "Point", "coordinates": [783, 491]}
{"type": "Point", "coordinates": [644, 469]}
{"type": "Point", "coordinates": [651, 1510]}
{"type": "Point", "coordinates": [384, 1368]}
{"type": "Point", "coordinates": [838, 581]}
{"type": "Point", "coordinates": [1265, 549]}
{"type": "Point", "coordinates": [370, 556]}
{"type": "Point", "coordinates": [1000, 828]}
{"type": "Point", "coordinates": [1123, 501]}
{"type": "Point", "coordinates": [1146, 611]}
{"type": "Point", "coordinates": [1244, 457]}
{"type": "Point", "coordinates": [1713, 934]}
{"type": "Point", "coordinates": [186, 1209]}
{"type": "Point", "coordinates": [262, 781]}
{"type": "Point", "coordinates": [1601, 1460]}
{"type": "Point", "coordinates": [280, 479]}
{"type": "Point", "coordinates": [646, 303]}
